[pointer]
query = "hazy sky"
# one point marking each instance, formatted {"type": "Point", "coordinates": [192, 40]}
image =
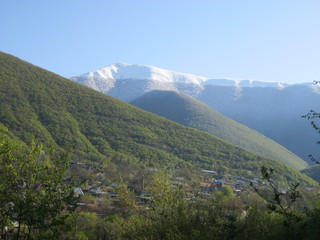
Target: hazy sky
{"type": "Point", "coordinates": [273, 40]}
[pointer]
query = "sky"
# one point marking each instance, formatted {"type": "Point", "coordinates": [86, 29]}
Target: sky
{"type": "Point", "coordinates": [268, 40]}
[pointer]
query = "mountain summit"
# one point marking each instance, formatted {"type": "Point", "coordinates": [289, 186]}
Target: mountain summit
{"type": "Point", "coordinates": [129, 81]}
{"type": "Point", "coordinates": [129, 71]}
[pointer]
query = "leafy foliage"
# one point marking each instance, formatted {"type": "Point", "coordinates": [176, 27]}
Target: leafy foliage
{"type": "Point", "coordinates": [172, 215]}
{"type": "Point", "coordinates": [280, 202]}
{"type": "Point", "coordinates": [31, 190]}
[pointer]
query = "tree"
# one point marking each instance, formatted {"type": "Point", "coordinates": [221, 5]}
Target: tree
{"type": "Point", "coordinates": [279, 202]}
{"type": "Point", "coordinates": [32, 194]}
{"type": "Point", "coordinates": [126, 199]}
{"type": "Point", "coordinates": [282, 204]}
{"type": "Point", "coordinates": [313, 116]}
{"type": "Point", "coordinates": [226, 192]}
{"type": "Point", "coordinates": [164, 216]}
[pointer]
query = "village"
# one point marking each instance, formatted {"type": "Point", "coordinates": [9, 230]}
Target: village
{"type": "Point", "coordinates": [95, 195]}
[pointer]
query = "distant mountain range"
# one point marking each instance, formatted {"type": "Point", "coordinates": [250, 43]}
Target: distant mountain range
{"type": "Point", "coordinates": [188, 111]}
{"type": "Point", "coordinates": [129, 81]}
{"type": "Point", "coordinates": [271, 108]}
{"type": "Point", "coordinates": [42, 106]}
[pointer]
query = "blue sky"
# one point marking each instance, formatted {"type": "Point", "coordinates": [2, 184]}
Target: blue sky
{"type": "Point", "coordinates": [272, 40]}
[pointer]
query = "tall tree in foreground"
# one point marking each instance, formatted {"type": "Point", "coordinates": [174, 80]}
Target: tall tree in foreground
{"type": "Point", "coordinates": [32, 194]}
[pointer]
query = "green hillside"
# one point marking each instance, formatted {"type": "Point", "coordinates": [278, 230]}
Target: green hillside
{"type": "Point", "coordinates": [37, 104]}
{"type": "Point", "coordinates": [188, 111]}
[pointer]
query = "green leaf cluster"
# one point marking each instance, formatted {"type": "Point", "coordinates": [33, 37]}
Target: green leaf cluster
{"type": "Point", "coordinates": [32, 194]}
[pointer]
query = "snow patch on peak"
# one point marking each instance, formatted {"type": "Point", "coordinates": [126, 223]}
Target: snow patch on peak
{"type": "Point", "coordinates": [136, 71]}
{"type": "Point", "coordinates": [239, 83]}
{"type": "Point", "coordinates": [145, 72]}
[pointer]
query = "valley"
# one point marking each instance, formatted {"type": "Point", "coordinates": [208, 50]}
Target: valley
{"type": "Point", "coordinates": [128, 163]}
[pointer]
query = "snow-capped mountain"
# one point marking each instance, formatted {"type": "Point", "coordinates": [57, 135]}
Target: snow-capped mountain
{"type": "Point", "coordinates": [272, 108]}
{"type": "Point", "coordinates": [126, 71]}
{"type": "Point", "coordinates": [129, 81]}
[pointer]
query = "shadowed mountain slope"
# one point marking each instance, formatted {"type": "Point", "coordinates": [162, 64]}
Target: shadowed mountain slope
{"type": "Point", "coordinates": [313, 172]}
{"type": "Point", "coordinates": [188, 111]}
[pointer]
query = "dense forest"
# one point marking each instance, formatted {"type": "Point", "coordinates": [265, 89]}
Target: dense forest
{"type": "Point", "coordinates": [77, 164]}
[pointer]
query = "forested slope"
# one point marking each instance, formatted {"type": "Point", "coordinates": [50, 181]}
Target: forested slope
{"type": "Point", "coordinates": [37, 104]}
{"type": "Point", "coordinates": [188, 111]}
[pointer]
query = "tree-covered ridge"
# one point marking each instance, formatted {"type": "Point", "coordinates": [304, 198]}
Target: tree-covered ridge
{"type": "Point", "coordinates": [37, 104]}
{"type": "Point", "coordinates": [190, 112]}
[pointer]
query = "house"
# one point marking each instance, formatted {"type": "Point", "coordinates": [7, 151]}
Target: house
{"type": "Point", "coordinates": [180, 179]}
{"type": "Point", "coordinates": [94, 190]}
{"type": "Point", "coordinates": [219, 185]}
{"type": "Point", "coordinates": [77, 192]}
{"type": "Point", "coordinates": [143, 199]}
{"type": "Point", "coordinates": [89, 207]}
{"type": "Point", "coordinates": [237, 191]}
{"type": "Point", "coordinates": [238, 181]}
{"type": "Point", "coordinates": [208, 171]}
{"type": "Point", "coordinates": [220, 181]}
{"type": "Point", "coordinates": [206, 188]}
{"type": "Point", "coordinates": [85, 190]}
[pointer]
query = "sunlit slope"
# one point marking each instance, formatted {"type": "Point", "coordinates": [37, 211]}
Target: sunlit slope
{"type": "Point", "coordinates": [37, 104]}
{"type": "Point", "coordinates": [188, 111]}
